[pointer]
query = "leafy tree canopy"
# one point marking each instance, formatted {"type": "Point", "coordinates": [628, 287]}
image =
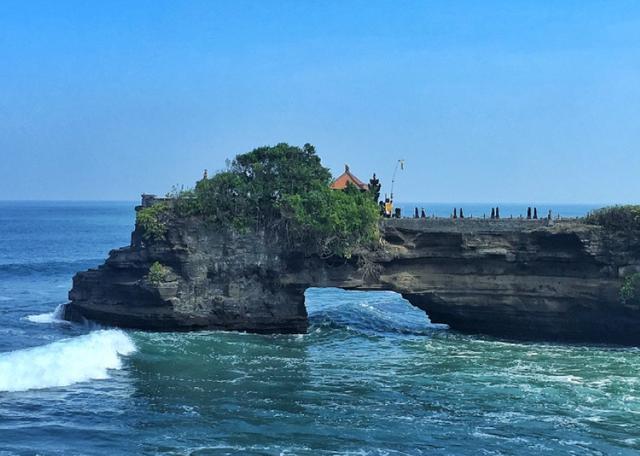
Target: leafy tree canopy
{"type": "Point", "coordinates": [283, 188]}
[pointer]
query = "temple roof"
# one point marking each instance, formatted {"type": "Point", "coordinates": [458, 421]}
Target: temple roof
{"type": "Point", "coordinates": [341, 182]}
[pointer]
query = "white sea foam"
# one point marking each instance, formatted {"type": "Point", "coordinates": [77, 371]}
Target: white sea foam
{"type": "Point", "coordinates": [65, 362]}
{"type": "Point", "coordinates": [49, 317]}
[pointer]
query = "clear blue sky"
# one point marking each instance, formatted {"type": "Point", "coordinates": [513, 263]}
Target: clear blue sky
{"type": "Point", "coordinates": [488, 101]}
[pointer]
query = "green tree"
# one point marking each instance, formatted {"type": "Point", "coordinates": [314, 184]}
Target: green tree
{"type": "Point", "coordinates": [281, 188]}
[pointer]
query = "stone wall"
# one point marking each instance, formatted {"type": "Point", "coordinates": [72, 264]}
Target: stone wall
{"type": "Point", "coordinates": [473, 224]}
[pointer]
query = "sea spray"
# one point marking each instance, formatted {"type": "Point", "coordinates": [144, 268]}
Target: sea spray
{"type": "Point", "coordinates": [62, 363]}
{"type": "Point", "coordinates": [50, 317]}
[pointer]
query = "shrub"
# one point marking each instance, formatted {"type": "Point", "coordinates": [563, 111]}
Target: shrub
{"type": "Point", "coordinates": [333, 222]}
{"type": "Point", "coordinates": [630, 290]}
{"type": "Point", "coordinates": [184, 201]}
{"type": "Point", "coordinates": [616, 218]}
{"type": "Point", "coordinates": [151, 220]}
{"type": "Point", "coordinates": [157, 273]}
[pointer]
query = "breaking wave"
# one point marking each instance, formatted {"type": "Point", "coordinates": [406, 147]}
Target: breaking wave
{"type": "Point", "coordinates": [50, 317]}
{"type": "Point", "coordinates": [370, 313]}
{"type": "Point", "coordinates": [65, 362]}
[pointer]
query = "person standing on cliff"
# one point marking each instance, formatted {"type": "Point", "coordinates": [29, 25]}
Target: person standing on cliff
{"type": "Point", "coordinates": [388, 207]}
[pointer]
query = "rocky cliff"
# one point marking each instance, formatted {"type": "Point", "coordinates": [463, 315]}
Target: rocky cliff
{"type": "Point", "coordinates": [513, 278]}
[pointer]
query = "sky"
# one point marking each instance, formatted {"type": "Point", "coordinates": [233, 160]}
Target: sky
{"type": "Point", "coordinates": [486, 101]}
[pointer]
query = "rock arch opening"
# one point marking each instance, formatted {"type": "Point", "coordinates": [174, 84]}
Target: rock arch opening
{"type": "Point", "coordinates": [365, 312]}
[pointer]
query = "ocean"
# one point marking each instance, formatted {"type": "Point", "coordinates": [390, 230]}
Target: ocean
{"type": "Point", "coordinates": [483, 210]}
{"type": "Point", "coordinates": [373, 376]}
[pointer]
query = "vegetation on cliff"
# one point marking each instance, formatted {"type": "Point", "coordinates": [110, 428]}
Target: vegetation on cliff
{"type": "Point", "coordinates": [630, 290]}
{"type": "Point", "coordinates": [157, 273]}
{"type": "Point", "coordinates": [152, 221]}
{"type": "Point", "coordinates": [616, 218]}
{"type": "Point", "coordinates": [281, 188]}
{"type": "Point", "coordinates": [332, 222]}
{"type": "Point", "coordinates": [621, 218]}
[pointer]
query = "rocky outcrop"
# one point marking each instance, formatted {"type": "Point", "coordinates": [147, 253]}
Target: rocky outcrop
{"type": "Point", "coordinates": [514, 278]}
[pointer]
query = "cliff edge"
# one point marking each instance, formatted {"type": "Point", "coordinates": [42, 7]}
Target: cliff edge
{"type": "Point", "coordinates": [531, 279]}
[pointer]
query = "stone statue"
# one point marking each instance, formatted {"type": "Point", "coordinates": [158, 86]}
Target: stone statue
{"type": "Point", "coordinates": [374, 187]}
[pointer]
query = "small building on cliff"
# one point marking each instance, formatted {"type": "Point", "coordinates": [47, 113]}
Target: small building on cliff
{"type": "Point", "coordinates": [347, 178]}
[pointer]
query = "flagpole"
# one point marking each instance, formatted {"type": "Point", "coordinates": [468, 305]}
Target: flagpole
{"type": "Point", "coordinates": [393, 179]}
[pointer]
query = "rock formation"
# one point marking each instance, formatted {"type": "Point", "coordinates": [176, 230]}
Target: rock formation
{"type": "Point", "coordinates": [532, 279]}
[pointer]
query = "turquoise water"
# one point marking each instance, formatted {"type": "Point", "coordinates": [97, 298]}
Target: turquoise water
{"type": "Point", "coordinates": [372, 376]}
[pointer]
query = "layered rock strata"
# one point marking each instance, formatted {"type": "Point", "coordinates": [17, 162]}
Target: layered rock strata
{"type": "Point", "coordinates": [531, 279]}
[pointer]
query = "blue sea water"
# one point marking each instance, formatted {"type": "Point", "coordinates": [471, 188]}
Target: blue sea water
{"type": "Point", "coordinates": [372, 377]}
{"type": "Point", "coordinates": [508, 210]}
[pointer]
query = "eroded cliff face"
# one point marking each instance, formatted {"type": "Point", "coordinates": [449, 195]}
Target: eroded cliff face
{"type": "Point", "coordinates": [216, 279]}
{"type": "Point", "coordinates": [512, 278]}
{"type": "Point", "coordinates": [519, 279]}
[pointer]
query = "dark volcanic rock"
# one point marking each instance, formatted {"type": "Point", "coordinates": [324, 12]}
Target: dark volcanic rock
{"type": "Point", "coordinates": [216, 279]}
{"type": "Point", "coordinates": [514, 278]}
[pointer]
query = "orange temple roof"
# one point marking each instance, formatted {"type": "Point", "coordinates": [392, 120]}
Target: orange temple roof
{"type": "Point", "coordinates": [345, 178]}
